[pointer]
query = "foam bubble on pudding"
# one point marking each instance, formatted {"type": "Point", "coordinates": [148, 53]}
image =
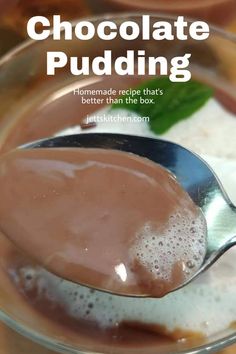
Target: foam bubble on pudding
{"type": "Point", "coordinates": [182, 242]}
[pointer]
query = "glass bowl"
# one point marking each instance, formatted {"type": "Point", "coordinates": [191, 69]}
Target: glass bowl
{"type": "Point", "coordinates": [208, 10]}
{"type": "Point", "coordinates": [44, 105]}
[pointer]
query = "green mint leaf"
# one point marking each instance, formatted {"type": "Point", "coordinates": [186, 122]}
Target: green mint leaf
{"type": "Point", "coordinates": [178, 102]}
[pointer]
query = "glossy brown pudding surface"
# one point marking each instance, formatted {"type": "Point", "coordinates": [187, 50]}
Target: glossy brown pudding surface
{"type": "Point", "coordinates": [104, 218]}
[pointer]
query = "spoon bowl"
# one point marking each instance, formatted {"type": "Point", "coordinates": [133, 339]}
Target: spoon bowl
{"type": "Point", "coordinates": [192, 172]}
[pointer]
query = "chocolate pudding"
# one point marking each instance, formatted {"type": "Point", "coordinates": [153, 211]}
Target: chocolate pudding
{"type": "Point", "coordinates": [102, 218]}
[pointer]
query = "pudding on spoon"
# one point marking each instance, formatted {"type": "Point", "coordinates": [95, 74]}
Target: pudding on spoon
{"type": "Point", "coordinates": [106, 219]}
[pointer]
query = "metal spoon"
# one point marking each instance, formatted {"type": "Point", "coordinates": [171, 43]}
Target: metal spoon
{"type": "Point", "coordinates": [195, 176]}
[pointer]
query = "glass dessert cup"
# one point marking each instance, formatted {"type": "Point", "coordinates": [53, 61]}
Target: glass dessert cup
{"type": "Point", "coordinates": [44, 106]}
{"type": "Point", "coordinates": [208, 10]}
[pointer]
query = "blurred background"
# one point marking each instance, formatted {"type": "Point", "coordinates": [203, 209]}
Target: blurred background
{"type": "Point", "coordinates": [14, 15]}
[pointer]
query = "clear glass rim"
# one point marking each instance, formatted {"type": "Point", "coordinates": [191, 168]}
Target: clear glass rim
{"type": "Point", "coordinates": [41, 338]}
{"type": "Point", "coordinates": [163, 5]}
{"type": "Point", "coordinates": [50, 343]}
